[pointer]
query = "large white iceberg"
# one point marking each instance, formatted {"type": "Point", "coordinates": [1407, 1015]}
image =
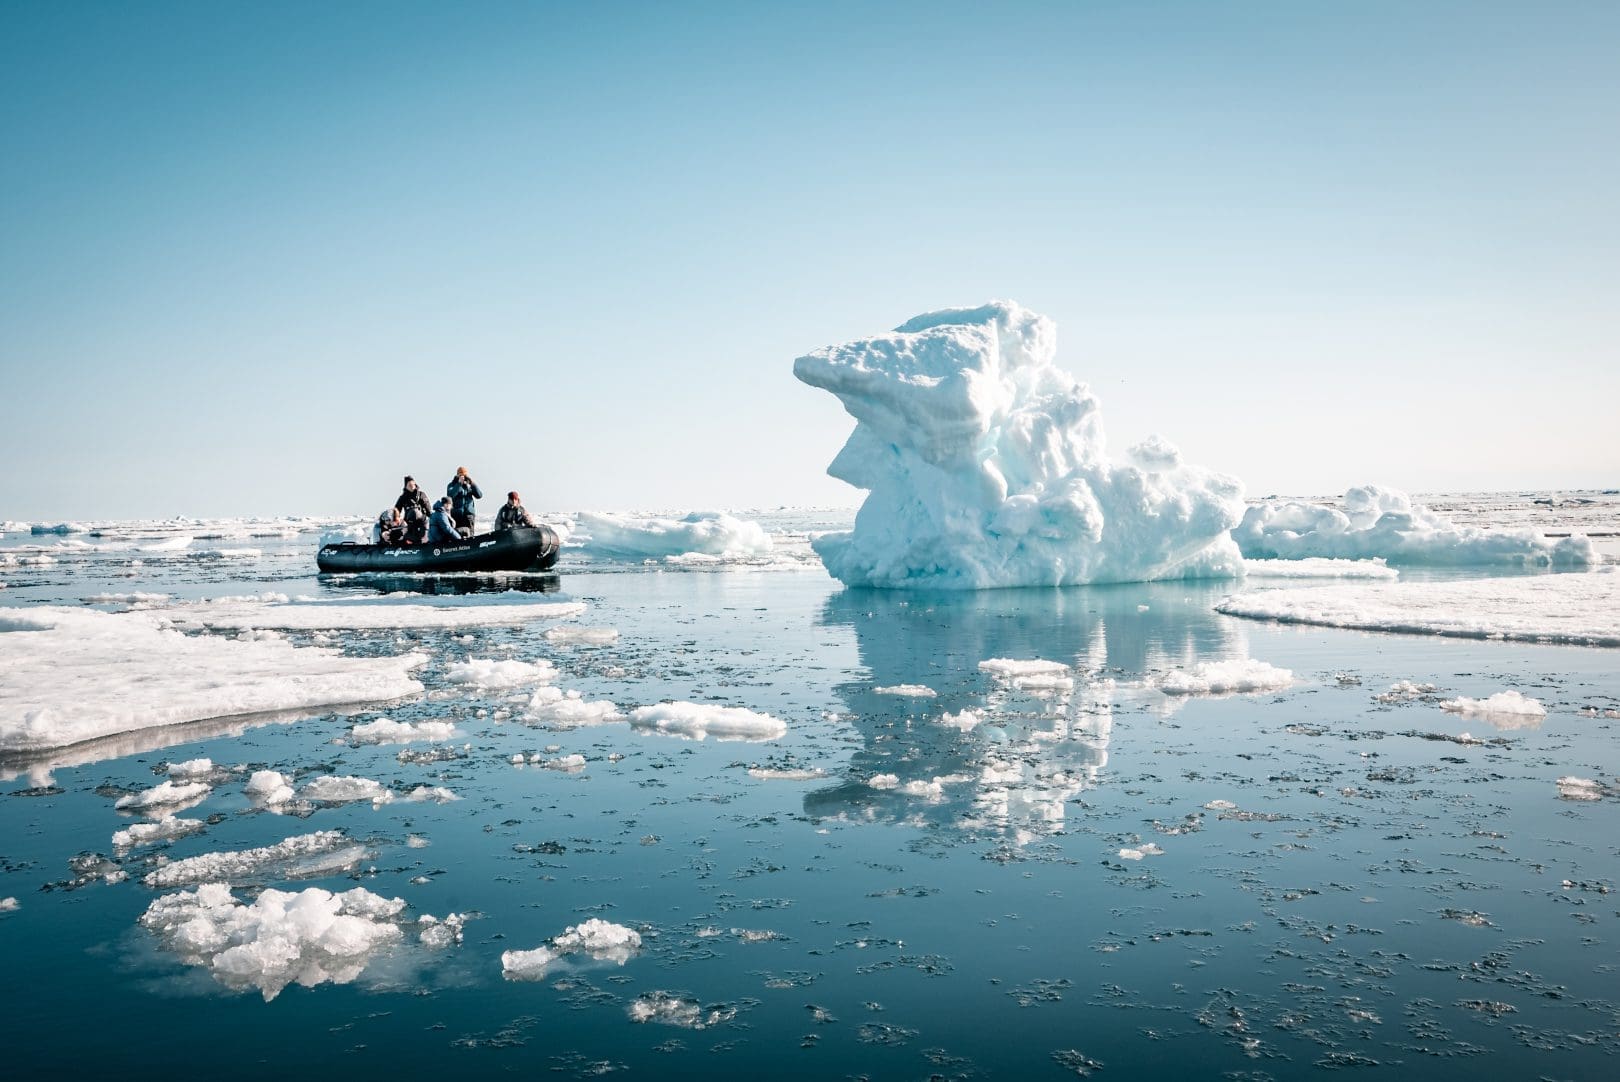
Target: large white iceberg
{"type": "Point", "coordinates": [986, 466]}
{"type": "Point", "coordinates": [1385, 522]}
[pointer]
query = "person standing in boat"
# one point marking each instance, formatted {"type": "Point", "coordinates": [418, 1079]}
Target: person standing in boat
{"type": "Point", "coordinates": [513, 513]}
{"type": "Point", "coordinates": [442, 524]}
{"type": "Point", "coordinates": [462, 491]}
{"type": "Point", "coordinates": [413, 503]}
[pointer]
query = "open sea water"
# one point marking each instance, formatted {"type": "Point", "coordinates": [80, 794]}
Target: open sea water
{"type": "Point", "coordinates": [1327, 881]}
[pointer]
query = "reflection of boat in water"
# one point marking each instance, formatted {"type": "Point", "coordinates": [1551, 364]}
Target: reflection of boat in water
{"type": "Point", "coordinates": [452, 585]}
{"type": "Point", "coordinates": [524, 548]}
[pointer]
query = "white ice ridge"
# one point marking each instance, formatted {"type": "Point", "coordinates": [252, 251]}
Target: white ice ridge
{"type": "Point", "coordinates": [310, 936]}
{"type": "Point", "coordinates": [1581, 609]}
{"type": "Point", "coordinates": [317, 614]}
{"type": "Point", "coordinates": [68, 675]}
{"type": "Point", "coordinates": [1510, 703]}
{"type": "Point", "coordinates": [707, 533]}
{"type": "Point", "coordinates": [985, 466]}
{"type": "Point", "coordinates": [1384, 522]}
{"type": "Point", "coordinates": [1237, 677]}
{"type": "Point", "coordinates": [695, 721]}
{"type": "Point", "coordinates": [320, 853]}
{"type": "Point", "coordinates": [596, 938]}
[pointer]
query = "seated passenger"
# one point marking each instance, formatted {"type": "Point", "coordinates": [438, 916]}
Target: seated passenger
{"type": "Point", "coordinates": [389, 528]}
{"type": "Point", "coordinates": [442, 525]}
{"type": "Point", "coordinates": [513, 513]}
{"type": "Point", "coordinates": [416, 524]}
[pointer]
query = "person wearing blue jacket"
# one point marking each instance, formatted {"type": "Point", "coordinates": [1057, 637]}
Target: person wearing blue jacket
{"type": "Point", "coordinates": [462, 491]}
{"type": "Point", "coordinates": [441, 524]}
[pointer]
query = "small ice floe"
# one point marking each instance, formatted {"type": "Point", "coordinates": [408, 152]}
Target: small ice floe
{"type": "Point", "coordinates": [324, 852]}
{"type": "Point", "coordinates": [766, 773]}
{"type": "Point", "coordinates": [1404, 691]}
{"type": "Point", "coordinates": [268, 788]}
{"type": "Point", "coordinates": [1147, 849]}
{"type": "Point", "coordinates": [1034, 674]}
{"type": "Point", "coordinates": [932, 790]}
{"type": "Point", "coordinates": [884, 781]}
{"type": "Point", "coordinates": [1240, 676]}
{"type": "Point", "coordinates": [166, 793]}
{"type": "Point", "coordinates": [190, 770]}
{"type": "Point", "coordinates": [568, 764]}
{"type": "Point", "coordinates": [9, 905]}
{"type": "Point", "coordinates": [165, 829]}
{"type": "Point", "coordinates": [1511, 704]}
{"type": "Point", "coordinates": [582, 636]}
{"type": "Point", "coordinates": [694, 721]}
{"type": "Point", "coordinates": [912, 691]}
{"type": "Point", "coordinates": [436, 934]}
{"type": "Point", "coordinates": [309, 937]}
{"type": "Point", "coordinates": [434, 794]}
{"type": "Point", "coordinates": [341, 789]}
{"type": "Point", "coordinates": [669, 1009]}
{"type": "Point", "coordinates": [1220, 805]}
{"type": "Point", "coordinates": [596, 939]}
{"type": "Point", "coordinates": [388, 731]}
{"type": "Point", "coordinates": [963, 721]}
{"type": "Point", "coordinates": [1572, 788]}
{"type": "Point", "coordinates": [489, 674]}
{"type": "Point", "coordinates": [557, 709]}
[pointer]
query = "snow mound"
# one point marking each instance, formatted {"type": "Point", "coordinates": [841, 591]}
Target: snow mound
{"type": "Point", "coordinates": [71, 675]}
{"type": "Point", "coordinates": [308, 937]}
{"type": "Point", "coordinates": [552, 707]}
{"type": "Point", "coordinates": [323, 852]}
{"type": "Point", "coordinates": [1510, 703]}
{"type": "Point", "coordinates": [1238, 677]}
{"type": "Point", "coordinates": [1581, 609]}
{"type": "Point", "coordinates": [389, 731]}
{"type": "Point", "coordinates": [704, 533]}
{"type": "Point", "coordinates": [597, 939]}
{"type": "Point", "coordinates": [694, 721]}
{"type": "Point", "coordinates": [986, 466]}
{"type": "Point", "coordinates": [1385, 522]}
{"type": "Point", "coordinates": [489, 674]}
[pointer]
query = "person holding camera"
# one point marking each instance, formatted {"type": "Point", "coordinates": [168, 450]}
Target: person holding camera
{"type": "Point", "coordinates": [413, 504]}
{"type": "Point", "coordinates": [461, 492]}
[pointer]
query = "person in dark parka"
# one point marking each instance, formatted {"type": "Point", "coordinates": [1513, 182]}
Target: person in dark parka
{"type": "Point", "coordinates": [463, 490]}
{"type": "Point", "coordinates": [413, 502]}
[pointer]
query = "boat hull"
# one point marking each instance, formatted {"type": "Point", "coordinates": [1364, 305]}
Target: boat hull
{"type": "Point", "coordinates": [522, 549]}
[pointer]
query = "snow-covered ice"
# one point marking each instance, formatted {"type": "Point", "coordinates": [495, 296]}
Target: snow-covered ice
{"type": "Point", "coordinates": [389, 731]}
{"type": "Point", "coordinates": [341, 789]}
{"type": "Point", "coordinates": [909, 691]}
{"type": "Point", "coordinates": [1319, 567]}
{"type": "Point", "coordinates": [268, 788]}
{"type": "Point", "coordinates": [1386, 523]}
{"type": "Point", "coordinates": [69, 675]}
{"type": "Point", "coordinates": [551, 706]}
{"type": "Point", "coordinates": [1578, 608]}
{"type": "Point", "coordinates": [310, 937]}
{"type": "Point", "coordinates": [1510, 704]}
{"type": "Point", "coordinates": [321, 853]}
{"type": "Point", "coordinates": [165, 829]}
{"type": "Point", "coordinates": [595, 938]}
{"type": "Point", "coordinates": [698, 720]}
{"type": "Point", "coordinates": [491, 674]}
{"type": "Point", "coordinates": [704, 533]}
{"type": "Point", "coordinates": [166, 793]}
{"type": "Point", "coordinates": [986, 466]}
{"type": "Point", "coordinates": [319, 614]}
{"type": "Point", "coordinates": [1238, 676]}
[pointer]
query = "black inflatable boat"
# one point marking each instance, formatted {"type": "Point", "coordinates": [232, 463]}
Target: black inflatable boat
{"type": "Point", "coordinates": [522, 549]}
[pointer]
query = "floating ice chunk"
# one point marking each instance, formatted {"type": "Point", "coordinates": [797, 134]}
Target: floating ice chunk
{"type": "Point", "coordinates": [585, 636]}
{"type": "Point", "coordinates": [913, 691]}
{"type": "Point", "coordinates": [931, 790]}
{"type": "Point", "coordinates": [671, 1010]}
{"type": "Point", "coordinates": [1239, 676]}
{"type": "Point", "coordinates": [9, 905]}
{"type": "Point", "coordinates": [165, 829]}
{"type": "Point", "coordinates": [1319, 567]}
{"type": "Point", "coordinates": [439, 934]}
{"type": "Point", "coordinates": [986, 467]}
{"type": "Point", "coordinates": [1029, 675]}
{"type": "Point", "coordinates": [598, 939]}
{"type": "Point", "coordinates": [1510, 703]}
{"type": "Point", "coordinates": [765, 773]}
{"type": "Point", "coordinates": [309, 937]}
{"type": "Point", "coordinates": [165, 793]}
{"type": "Point", "coordinates": [388, 731]}
{"type": "Point", "coordinates": [339, 789]}
{"type": "Point", "coordinates": [884, 781]}
{"type": "Point", "coordinates": [1384, 522]}
{"type": "Point", "coordinates": [71, 675]}
{"type": "Point", "coordinates": [487, 673]}
{"type": "Point", "coordinates": [1573, 788]}
{"type": "Point", "coordinates": [1581, 609]}
{"type": "Point", "coordinates": [964, 721]}
{"type": "Point", "coordinates": [553, 707]}
{"type": "Point", "coordinates": [1220, 805]}
{"type": "Point", "coordinates": [568, 764]}
{"type": "Point", "coordinates": [1131, 854]}
{"type": "Point", "coordinates": [320, 853]}
{"type": "Point", "coordinates": [268, 788]}
{"type": "Point", "coordinates": [436, 794]}
{"type": "Point", "coordinates": [697, 720]}
{"type": "Point", "coordinates": [1405, 691]}
{"type": "Point", "coordinates": [191, 768]}
{"type": "Point", "coordinates": [708, 533]}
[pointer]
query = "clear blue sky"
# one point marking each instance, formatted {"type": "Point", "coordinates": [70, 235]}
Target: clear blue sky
{"type": "Point", "coordinates": [266, 258]}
